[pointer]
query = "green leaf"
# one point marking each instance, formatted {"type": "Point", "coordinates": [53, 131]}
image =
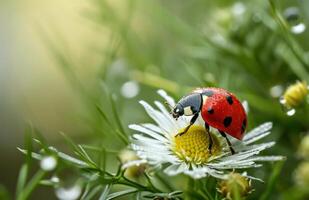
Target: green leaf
{"type": "Point", "coordinates": [114, 109]}
{"type": "Point", "coordinates": [22, 178]}
{"type": "Point", "coordinates": [272, 180]}
{"type": "Point", "coordinates": [28, 144]}
{"type": "Point", "coordinates": [86, 156]}
{"type": "Point", "coordinates": [33, 155]}
{"type": "Point", "coordinates": [69, 158]}
{"type": "Point", "coordinates": [121, 193]}
{"type": "Point", "coordinates": [79, 151]}
{"type": "Point", "coordinates": [105, 192]}
{"type": "Point", "coordinates": [92, 193]}
{"type": "Point", "coordinates": [25, 193]}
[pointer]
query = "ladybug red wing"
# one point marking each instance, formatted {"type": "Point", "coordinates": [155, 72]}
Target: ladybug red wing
{"type": "Point", "coordinates": [223, 111]}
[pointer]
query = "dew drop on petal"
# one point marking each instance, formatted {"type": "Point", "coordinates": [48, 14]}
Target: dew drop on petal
{"type": "Point", "coordinates": [298, 28]}
{"type": "Point", "coordinates": [48, 163]}
{"type": "Point", "coordinates": [291, 112]}
{"type": "Point", "coordinates": [68, 193]}
{"type": "Point", "coordinates": [130, 89]}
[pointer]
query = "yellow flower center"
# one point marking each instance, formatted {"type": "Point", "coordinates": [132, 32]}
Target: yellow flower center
{"type": "Point", "coordinates": [192, 147]}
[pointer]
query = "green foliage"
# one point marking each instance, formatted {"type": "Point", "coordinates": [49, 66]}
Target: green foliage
{"type": "Point", "coordinates": [175, 46]}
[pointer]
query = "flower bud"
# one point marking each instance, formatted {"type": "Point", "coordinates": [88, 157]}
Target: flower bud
{"type": "Point", "coordinates": [301, 175]}
{"type": "Point", "coordinates": [133, 171]}
{"type": "Point", "coordinates": [295, 94]}
{"type": "Point", "coordinates": [303, 150]}
{"type": "Point", "coordinates": [235, 185]}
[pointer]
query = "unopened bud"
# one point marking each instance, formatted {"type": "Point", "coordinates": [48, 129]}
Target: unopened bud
{"type": "Point", "coordinates": [303, 150]}
{"type": "Point", "coordinates": [133, 171]}
{"type": "Point", "coordinates": [235, 185]}
{"type": "Point", "coordinates": [301, 175]}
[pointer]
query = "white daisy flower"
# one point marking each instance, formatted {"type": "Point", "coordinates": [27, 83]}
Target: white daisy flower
{"type": "Point", "coordinates": [157, 145]}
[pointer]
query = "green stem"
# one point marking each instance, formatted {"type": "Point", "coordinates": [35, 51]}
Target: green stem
{"type": "Point", "coordinates": [272, 181]}
{"type": "Point", "coordinates": [165, 182]}
{"type": "Point", "coordinates": [125, 181]}
{"type": "Point", "coordinates": [25, 193]}
{"type": "Point", "coordinates": [286, 34]}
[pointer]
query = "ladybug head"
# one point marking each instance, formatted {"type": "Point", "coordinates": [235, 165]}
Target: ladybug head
{"type": "Point", "coordinates": [177, 111]}
{"type": "Point", "coordinates": [188, 105]}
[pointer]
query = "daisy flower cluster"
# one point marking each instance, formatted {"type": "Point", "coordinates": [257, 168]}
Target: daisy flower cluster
{"type": "Point", "coordinates": [156, 145]}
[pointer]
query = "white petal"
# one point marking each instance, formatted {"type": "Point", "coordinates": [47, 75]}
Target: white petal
{"type": "Point", "coordinates": [155, 149]}
{"type": "Point", "coordinates": [169, 99]}
{"type": "Point", "coordinates": [133, 163]}
{"type": "Point", "coordinates": [168, 116]}
{"type": "Point", "coordinates": [255, 149]}
{"type": "Point", "coordinates": [154, 155]}
{"type": "Point", "coordinates": [148, 132]}
{"type": "Point", "coordinates": [251, 177]}
{"type": "Point", "coordinates": [158, 117]}
{"type": "Point", "coordinates": [267, 158]}
{"type": "Point", "coordinates": [153, 127]}
{"type": "Point", "coordinates": [198, 172]}
{"type": "Point", "coordinates": [237, 166]}
{"type": "Point", "coordinates": [218, 175]}
{"type": "Point", "coordinates": [173, 170]}
{"type": "Point", "coordinates": [147, 139]}
{"type": "Point", "coordinates": [256, 138]}
{"type": "Point", "coordinates": [265, 127]}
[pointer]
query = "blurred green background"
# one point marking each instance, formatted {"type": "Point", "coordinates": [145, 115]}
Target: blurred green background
{"type": "Point", "coordinates": [59, 58]}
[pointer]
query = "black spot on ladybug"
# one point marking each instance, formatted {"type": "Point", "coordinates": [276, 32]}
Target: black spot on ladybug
{"type": "Point", "coordinates": [243, 126]}
{"type": "Point", "coordinates": [208, 93]}
{"type": "Point", "coordinates": [229, 99]}
{"type": "Point", "coordinates": [210, 111]}
{"type": "Point", "coordinates": [227, 121]}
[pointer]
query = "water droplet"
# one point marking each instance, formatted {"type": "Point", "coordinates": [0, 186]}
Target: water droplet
{"type": "Point", "coordinates": [291, 112]}
{"type": "Point", "coordinates": [293, 16]}
{"type": "Point", "coordinates": [282, 100]}
{"type": "Point", "coordinates": [130, 89]}
{"type": "Point", "coordinates": [276, 91]}
{"type": "Point", "coordinates": [238, 8]}
{"type": "Point", "coordinates": [299, 28]}
{"type": "Point", "coordinates": [55, 179]}
{"type": "Point", "coordinates": [118, 67]}
{"type": "Point", "coordinates": [68, 193]}
{"type": "Point", "coordinates": [48, 163]}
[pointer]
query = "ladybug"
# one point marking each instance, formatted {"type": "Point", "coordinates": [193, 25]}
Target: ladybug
{"type": "Point", "coordinates": [219, 109]}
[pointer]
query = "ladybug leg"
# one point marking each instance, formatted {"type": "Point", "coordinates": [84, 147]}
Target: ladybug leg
{"type": "Point", "coordinates": [228, 142]}
{"type": "Point", "coordinates": [209, 136]}
{"type": "Point", "coordinates": [193, 119]}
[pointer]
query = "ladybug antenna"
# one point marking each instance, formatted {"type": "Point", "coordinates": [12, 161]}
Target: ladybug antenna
{"type": "Point", "coordinates": [169, 105]}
